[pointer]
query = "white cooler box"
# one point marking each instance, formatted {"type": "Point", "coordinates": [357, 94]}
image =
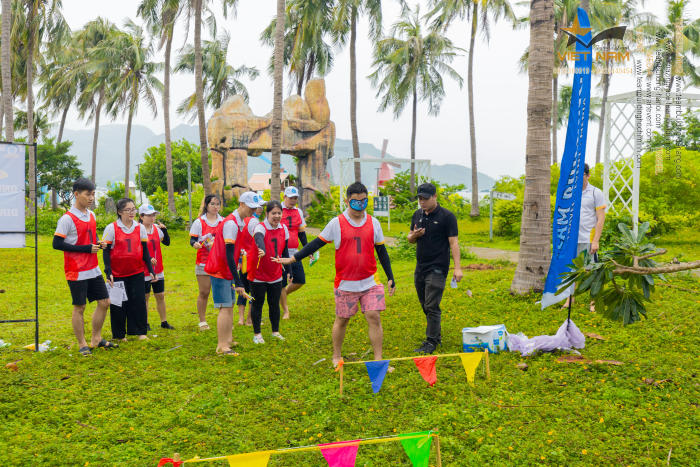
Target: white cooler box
{"type": "Point", "coordinates": [479, 338]}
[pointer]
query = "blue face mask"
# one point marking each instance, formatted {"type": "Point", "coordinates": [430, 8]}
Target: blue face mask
{"type": "Point", "coordinates": [358, 205]}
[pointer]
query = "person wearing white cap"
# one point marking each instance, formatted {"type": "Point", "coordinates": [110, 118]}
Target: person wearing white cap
{"type": "Point", "coordinates": [221, 266]}
{"type": "Point", "coordinates": [293, 219]}
{"type": "Point", "coordinates": [157, 234]}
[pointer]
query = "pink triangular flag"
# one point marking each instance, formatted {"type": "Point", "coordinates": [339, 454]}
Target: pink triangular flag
{"type": "Point", "coordinates": [340, 454]}
{"type": "Point", "coordinates": [426, 367]}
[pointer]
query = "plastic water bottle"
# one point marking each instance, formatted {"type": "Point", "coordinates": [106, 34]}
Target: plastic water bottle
{"type": "Point", "coordinates": [453, 283]}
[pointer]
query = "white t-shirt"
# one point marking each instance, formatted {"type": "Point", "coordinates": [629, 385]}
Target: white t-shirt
{"type": "Point", "coordinates": [159, 275]}
{"type": "Point", "coordinates": [592, 199]}
{"type": "Point", "coordinates": [66, 229]}
{"type": "Point", "coordinates": [196, 227]}
{"type": "Point", "coordinates": [259, 228]}
{"type": "Point", "coordinates": [108, 235]}
{"type": "Point", "coordinates": [331, 233]}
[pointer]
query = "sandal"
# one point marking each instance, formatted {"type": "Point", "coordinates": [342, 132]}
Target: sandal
{"type": "Point", "coordinates": [85, 351]}
{"type": "Point", "coordinates": [107, 345]}
{"type": "Point", "coordinates": [203, 326]}
{"type": "Point", "coordinates": [228, 352]}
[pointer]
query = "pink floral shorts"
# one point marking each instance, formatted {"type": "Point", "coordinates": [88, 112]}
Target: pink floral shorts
{"type": "Point", "coordinates": [369, 300]}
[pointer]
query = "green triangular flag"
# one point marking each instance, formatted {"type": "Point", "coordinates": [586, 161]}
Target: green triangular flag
{"type": "Point", "coordinates": [417, 447]}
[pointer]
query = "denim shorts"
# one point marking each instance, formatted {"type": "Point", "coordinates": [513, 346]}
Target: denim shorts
{"type": "Point", "coordinates": [222, 292]}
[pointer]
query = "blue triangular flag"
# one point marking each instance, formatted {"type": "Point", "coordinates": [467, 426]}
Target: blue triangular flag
{"type": "Point", "coordinates": [377, 371]}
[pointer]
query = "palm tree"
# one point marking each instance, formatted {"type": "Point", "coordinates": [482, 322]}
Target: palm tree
{"type": "Point", "coordinates": [135, 79]}
{"type": "Point", "coordinates": [94, 74]}
{"type": "Point", "coordinates": [42, 124]}
{"type": "Point", "coordinates": [161, 15]}
{"type": "Point", "coordinates": [44, 19]}
{"type": "Point", "coordinates": [306, 50]}
{"type": "Point", "coordinates": [6, 69]}
{"type": "Point", "coordinates": [408, 65]}
{"type": "Point", "coordinates": [346, 14]}
{"type": "Point", "coordinates": [276, 124]}
{"type": "Point", "coordinates": [446, 11]}
{"type": "Point", "coordinates": [56, 97]}
{"type": "Point", "coordinates": [535, 229]}
{"type": "Point", "coordinates": [221, 80]}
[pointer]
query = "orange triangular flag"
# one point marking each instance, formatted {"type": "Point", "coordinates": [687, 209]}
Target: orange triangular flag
{"type": "Point", "coordinates": [426, 367]}
{"type": "Point", "coordinates": [470, 361]}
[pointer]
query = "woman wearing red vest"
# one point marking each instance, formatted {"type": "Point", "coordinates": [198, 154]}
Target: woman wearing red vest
{"type": "Point", "coordinates": [271, 238]}
{"type": "Point", "coordinates": [357, 236]}
{"type": "Point", "coordinates": [157, 234]}
{"type": "Point", "coordinates": [222, 269]}
{"type": "Point", "coordinates": [76, 236]}
{"type": "Point", "coordinates": [201, 239]}
{"type": "Point", "coordinates": [125, 257]}
{"type": "Point", "coordinates": [246, 258]}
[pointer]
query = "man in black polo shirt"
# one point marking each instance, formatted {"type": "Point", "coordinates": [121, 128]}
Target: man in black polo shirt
{"type": "Point", "coordinates": [434, 229]}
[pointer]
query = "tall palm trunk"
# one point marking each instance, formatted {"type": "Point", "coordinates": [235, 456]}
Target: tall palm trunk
{"type": "Point", "coordinates": [166, 122]}
{"type": "Point", "coordinates": [535, 229]}
{"type": "Point", "coordinates": [555, 117]}
{"type": "Point", "coordinates": [59, 138]}
{"type": "Point", "coordinates": [353, 96]}
{"type": "Point", "coordinates": [127, 157]}
{"type": "Point", "coordinates": [472, 129]}
{"type": "Point", "coordinates": [199, 90]}
{"type": "Point", "coordinates": [277, 104]}
{"type": "Point", "coordinates": [2, 116]}
{"type": "Point", "coordinates": [6, 57]}
{"type": "Point", "coordinates": [605, 82]}
{"type": "Point", "coordinates": [413, 140]}
{"type": "Point", "coordinates": [96, 133]}
{"type": "Point", "coordinates": [30, 101]}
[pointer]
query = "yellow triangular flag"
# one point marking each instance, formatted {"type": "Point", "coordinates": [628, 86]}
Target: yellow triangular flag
{"type": "Point", "coordinates": [470, 361]}
{"type": "Point", "coordinates": [250, 459]}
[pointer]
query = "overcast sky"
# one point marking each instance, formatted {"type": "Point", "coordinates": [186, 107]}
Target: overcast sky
{"type": "Point", "coordinates": [500, 89]}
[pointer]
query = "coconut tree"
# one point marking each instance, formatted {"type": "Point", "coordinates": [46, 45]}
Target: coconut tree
{"type": "Point", "coordinates": [161, 16]}
{"type": "Point", "coordinates": [345, 16]}
{"type": "Point", "coordinates": [535, 229]}
{"type": "Point", "coordinates": [6, 58]}
{"type": "Point", "coordinates": [276, 124]}
{"type": "Point", "coordinates": [307, 50]}
{"type": "Point", "coordinates": [44, 20]}
{"type": "Point", "coordinates": [57, 98]}
{"type": "Point", "coordinates": [135, 79]}
{"type": "Point", "coordinates": [409, 66]}
{"type": "Point", "coordinates": [482, 13]}
{"type": "Point", "coordinates": [221, 80]}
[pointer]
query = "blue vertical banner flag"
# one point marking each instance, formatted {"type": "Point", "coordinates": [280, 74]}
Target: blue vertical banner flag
{"type": "Point", "coordinates": [568, 204]}
{"type": "Point", "coordinates": [12, 195]}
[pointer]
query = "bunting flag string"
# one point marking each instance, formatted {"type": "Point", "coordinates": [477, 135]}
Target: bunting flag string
{"type": "Point", "coordinates": [377, 369]}
{"type": "Point", "coordinates": [339, 454]}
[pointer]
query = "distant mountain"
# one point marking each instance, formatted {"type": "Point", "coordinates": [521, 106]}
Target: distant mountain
{"type": "Point", "coordinates": [110, 156]}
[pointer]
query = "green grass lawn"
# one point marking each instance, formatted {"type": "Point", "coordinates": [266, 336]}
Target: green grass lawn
{"type": "Point", "coordinates": [173, 394]}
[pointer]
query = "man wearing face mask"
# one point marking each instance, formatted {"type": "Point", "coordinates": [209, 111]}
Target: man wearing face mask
{"type": "Point", "coordinates": [434, 230]}
{"type": "Point", "coordinates": [356, 236]}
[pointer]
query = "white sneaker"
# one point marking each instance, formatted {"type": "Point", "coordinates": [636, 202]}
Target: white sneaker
{"type": "Point", "coordinates": [258, 339]}
{"type": "Point", "coordinates": [278, 336]}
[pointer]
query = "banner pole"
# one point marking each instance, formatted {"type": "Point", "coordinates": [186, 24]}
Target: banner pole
{"type": "Point", "coordinates": [36, 258]}
{"type": "Point", "coordinates": [341, 380]}
{"type": "Point", "coordinates": [439, 454]}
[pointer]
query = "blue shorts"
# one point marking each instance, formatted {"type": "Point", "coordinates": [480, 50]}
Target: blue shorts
{"type": "Point", "coordinates": [298, 275]}
{"type": "Point", "coordinates": [223, 293]}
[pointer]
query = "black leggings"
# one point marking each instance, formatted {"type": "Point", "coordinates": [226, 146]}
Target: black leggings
{"type": "Point", "coordinates": [130, 318]}
{"type": "Point", "coordinates": [273, 291]}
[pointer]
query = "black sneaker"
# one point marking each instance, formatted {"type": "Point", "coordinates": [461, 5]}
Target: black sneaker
{"type": "Point", "coordinates": [166, 325]}
{"type": "Point", "coordinates": [426, 348]}
{"type": "Point", "coordinates": [148, 327]}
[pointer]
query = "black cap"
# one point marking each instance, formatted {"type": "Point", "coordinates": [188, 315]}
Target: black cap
{"type": "Point", "coordinates": [426, 190]}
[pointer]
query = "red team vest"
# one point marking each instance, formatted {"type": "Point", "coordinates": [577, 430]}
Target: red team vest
{"type": "Point", "coordinates": [247, 242]}
{"type": "Point", "coordinates": [274, 246]}
{"type": "Point", "coordinates": [74, 263]}
{"type": "Point", "coordinates": [203, 253]}
{"type": "Point", "coordinates": [354, 260]}
{"type": "Point", "coordinates": [127, 255]}
{"type": "Point", "coordinates": [216, 262]}
{"type": "Point", "coordinates": [154, 250]}
{"type": "Point", "coordinates": [292, 219]}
